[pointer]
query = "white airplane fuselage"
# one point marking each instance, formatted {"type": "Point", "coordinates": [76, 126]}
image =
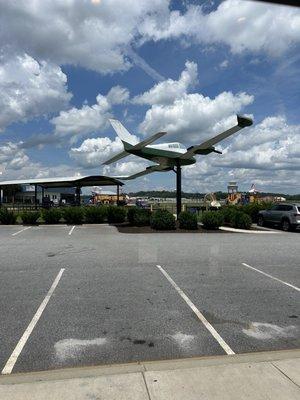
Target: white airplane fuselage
{"type": "Point", "coordinates": [163, 153]}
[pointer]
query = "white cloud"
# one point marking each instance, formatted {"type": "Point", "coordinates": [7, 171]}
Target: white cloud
{"type": "Point", "coordinates": [242, 25]}
{"type": "Point", "coordinates": [273, 144]}
{"type": "Point", "coordinates": [99, 36]}
{"type": "Point", "coordinates": [193, 116]}
{"type": "Point", "coordinates": [93, 152]}
{"type": "Point", "coordinates": [93, 35]}
{"type": "Point", "coordinates": [12, 156]}
{"type": "Point", "coordinates": [117, 95]}
{"type": "Point", "coordinates": [30, 89]}
{"type": "Point", "coordinates": [167, 91]}
{"type": "Point", "coordinates": [87, 119]}
{"type": "Point", "coordinates": [267, 154]}
{"type": "Point", "coordinates": [224, 64]}
{"type": "Point", "coordinates": [126, 168]}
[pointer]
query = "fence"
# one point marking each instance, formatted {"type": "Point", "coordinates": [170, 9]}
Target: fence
{"type": "Point", "coordinates": [22, 207]}
{"type": "Point", "coordinates": [196, 208]}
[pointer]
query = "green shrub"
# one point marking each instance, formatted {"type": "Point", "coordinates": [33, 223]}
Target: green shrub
{"type": "Point", "coordinates": [130, 214]}
{"type": "Point", "coordinates": [162, 220]}
{"type": "Point", "coordinates": [253, 209]}
{"type": "Point", "coordinates": [228, 213]}
{"type": "Point", "coordinates": [188, 220]}
{"type": "Point", "coordinates": [52, 216]}
{"type": "Point", "coordinates": [116, 214]}
{"type": "Point", "coordinates": [73, 215]}
{"type": "Point", "coordinates": [95, 214]}
{"type": "Point", "coordinates": [30, 217]}
{"type": "Point", "coordinates": [7, 217]}
{"type": "Point", "coordinates": [212, 219]}
{"type": "Point", "coordinates": [141, 217]}
{"type": "Point", "coordinates": [241, 220]}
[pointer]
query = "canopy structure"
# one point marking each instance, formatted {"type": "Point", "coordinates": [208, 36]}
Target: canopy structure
{"type": "Point", "coordinates": [75, 181]}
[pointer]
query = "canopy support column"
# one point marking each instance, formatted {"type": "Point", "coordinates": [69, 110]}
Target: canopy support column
{"type": "Point", "coordinates": [77, 195]}
{"type": "Point", "coordinates": [118, 195]}
{"type": "Point", "coordinates": [178, 188]}
{"type": "Point", "coordinates": [35, 196]}
{"type": "Point", "coordinates": [43, 194]}
{"type": "Point", "coordinates": [1, 196]}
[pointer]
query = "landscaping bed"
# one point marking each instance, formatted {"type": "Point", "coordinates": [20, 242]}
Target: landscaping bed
{"type": "Point", "coordinates": [127, 228]}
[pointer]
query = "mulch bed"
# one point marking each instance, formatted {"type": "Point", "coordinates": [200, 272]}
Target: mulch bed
{"type": "Point", "coordinates": [126, 228]}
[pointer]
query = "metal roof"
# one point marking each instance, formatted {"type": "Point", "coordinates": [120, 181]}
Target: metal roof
{"type": "Point", "coordinates": [72, 181]}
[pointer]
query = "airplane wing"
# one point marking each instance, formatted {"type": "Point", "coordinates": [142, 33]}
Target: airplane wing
{"type": "Point", "coordinates": [147, 141]}
{"type": "Point", "coordinates": [116, 158]}
{"type": "Point", "coordinates": [207, 146]}
{"type": "Point", "coordinates": [148, 170]}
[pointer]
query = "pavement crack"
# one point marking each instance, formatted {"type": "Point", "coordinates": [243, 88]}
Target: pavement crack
{"type": "Point", "coordinates": [283, 373]}
{"type": "Point", "coordinates": [145, 382]}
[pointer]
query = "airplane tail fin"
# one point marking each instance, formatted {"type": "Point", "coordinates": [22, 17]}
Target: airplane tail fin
{"type": "Point", "coordinates": [130, 142]}
{"type": "Point", "coordinates": [122, 132]}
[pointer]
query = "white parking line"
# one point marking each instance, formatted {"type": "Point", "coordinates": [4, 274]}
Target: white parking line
{"type": "Point", "coordinates": [19, 347]}
{"type": "Point", "coordinates": [272, 277]}
{"type": "Point", "coordinates": [71, 230]}
{"type": "Point", "coordinates": [22, 230]}
{"type": "Point", "coordinates": [201, 317]}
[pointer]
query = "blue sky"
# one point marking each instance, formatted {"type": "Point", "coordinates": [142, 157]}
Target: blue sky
{"type": "Point", "coordinates": [185, 67]}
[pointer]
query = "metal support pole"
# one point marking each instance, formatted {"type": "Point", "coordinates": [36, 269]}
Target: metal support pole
{"type": "Point", "coordinates": [178, 188]}
{"type": "Point", "coordinates": [118, 195]}
{"type": "Point", "coordinates": [35, 196]}
{"type": "Point", "coordinates": [1, 196]}
{"type": "Point", "coordinates": [78, 200]}
{"type": "Point", "coordinates": [43, 194]}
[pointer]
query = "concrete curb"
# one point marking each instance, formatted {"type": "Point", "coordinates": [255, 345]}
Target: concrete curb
{"type": "Point", "coordinates": [257, 376]}
{"type": "Point", "coordinates": [228, 229]}
{"type": "Point", "coordinates": [127, 368]}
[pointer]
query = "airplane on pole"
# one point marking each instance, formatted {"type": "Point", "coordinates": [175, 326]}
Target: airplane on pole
{"type": "Point", "coordinates": [168, 156]}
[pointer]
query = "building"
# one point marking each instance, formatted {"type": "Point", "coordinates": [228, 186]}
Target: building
{"type": "Point", "coordinates": [62, 187]}
{"type": "Point", "coordinates": [25, 194]}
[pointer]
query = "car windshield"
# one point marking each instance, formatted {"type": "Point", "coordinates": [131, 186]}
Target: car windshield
{"type": "Point", "coordinates": [149, 199]}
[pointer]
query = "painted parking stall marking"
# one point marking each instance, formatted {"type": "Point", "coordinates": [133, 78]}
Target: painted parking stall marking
{"type": "Point", "coordinates": [271, 276]}
{"type": "Point", "coordinates": [19, 347]}
{"type": "Point", "coordinates": [22, 230]}
{"type": "Point", "coordinates": [71, 230]}
{"type": "Point", "coordinates": [201, 317]}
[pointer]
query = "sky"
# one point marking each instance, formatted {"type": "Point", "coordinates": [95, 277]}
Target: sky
{"type": "Point", "coordinates": [185, 67]}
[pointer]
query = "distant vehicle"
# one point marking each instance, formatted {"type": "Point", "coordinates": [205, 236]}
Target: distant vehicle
{"type": "Point", "coordinates": [142, 203]}
{"type": "Point", "coordinates": [286, 215]}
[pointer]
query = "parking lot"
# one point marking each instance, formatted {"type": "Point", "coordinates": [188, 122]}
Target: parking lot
{"type": "Point", "coordinates": [90, 295]}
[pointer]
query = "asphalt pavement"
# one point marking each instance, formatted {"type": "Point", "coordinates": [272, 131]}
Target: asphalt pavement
{"type": "Point", "coordinates": [92, 295]}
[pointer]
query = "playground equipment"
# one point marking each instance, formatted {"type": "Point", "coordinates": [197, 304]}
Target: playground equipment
{"type": "Point", "coordinates": [210, 201]}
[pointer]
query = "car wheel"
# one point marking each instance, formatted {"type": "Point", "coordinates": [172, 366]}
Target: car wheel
{"type": "Point", "coordinates": [285, 224]}
{"type": "Point", "coordinates": [260, 221]}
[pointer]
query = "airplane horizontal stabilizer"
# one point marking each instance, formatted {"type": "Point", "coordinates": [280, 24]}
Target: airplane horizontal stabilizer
{"type": "Point", "coordinates": [207, 146]}
{"type": "Point", "coordinates": [116, 158]}
{"type": "Point", "coordinates": [147, 141]}
{"type": "Point", "coordinates": [148, 170]}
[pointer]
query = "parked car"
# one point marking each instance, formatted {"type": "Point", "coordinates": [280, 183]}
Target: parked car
{"type": "Point", "coordinates": [287, 215]}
